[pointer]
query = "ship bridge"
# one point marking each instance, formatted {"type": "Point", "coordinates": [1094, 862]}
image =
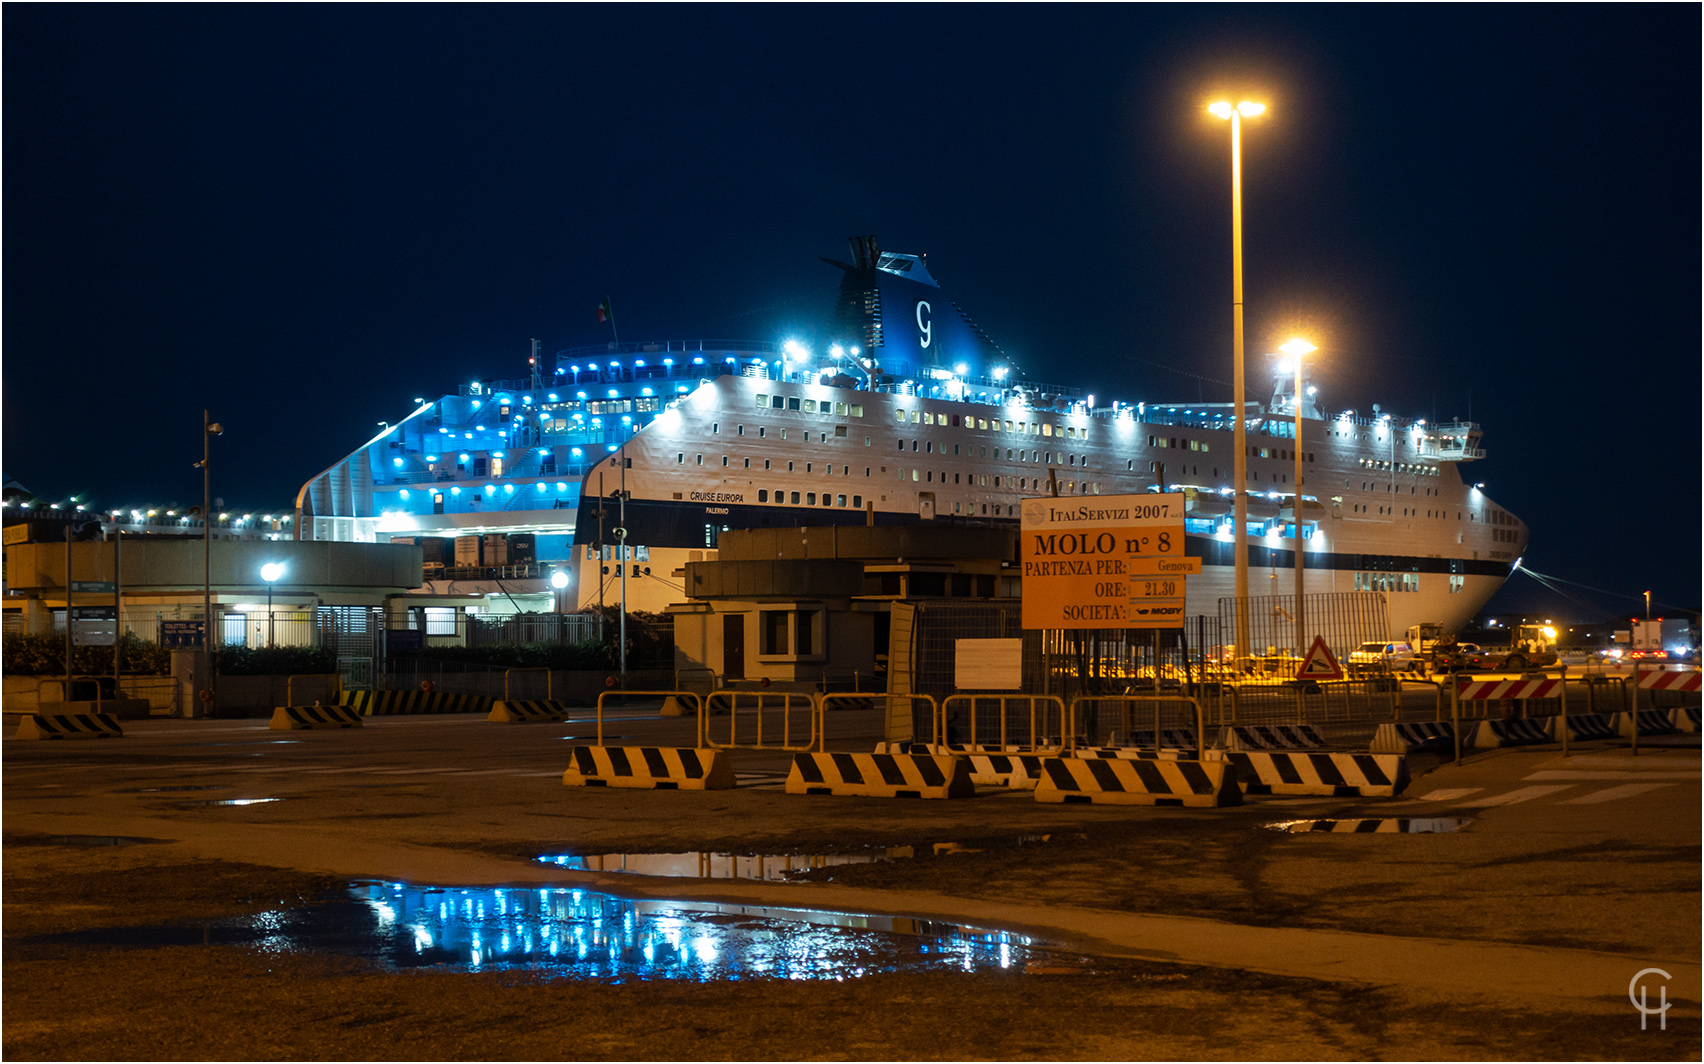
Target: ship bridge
{"type": "Point", "coordinates": [1457, 441]}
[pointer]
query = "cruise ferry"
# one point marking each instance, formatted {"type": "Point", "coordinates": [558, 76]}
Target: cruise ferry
{"type": "Point", "coordinates": [911, 413]}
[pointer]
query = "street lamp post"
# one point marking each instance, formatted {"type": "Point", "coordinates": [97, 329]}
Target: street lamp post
{"type": "Point", "coordinates": [1296, 349]}
{"type": "Point", "coordinates": [209, 429]}
{"type": "Point", "coordinates": [270, 572]}
{"type": "Point", "coordinates": [1240, 465]}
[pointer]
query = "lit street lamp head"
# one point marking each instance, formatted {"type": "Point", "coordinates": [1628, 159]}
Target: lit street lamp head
{"type": "Point", "coordinates": [1223, 109]}
{"type": "Point", "coordinates": [271, 571]}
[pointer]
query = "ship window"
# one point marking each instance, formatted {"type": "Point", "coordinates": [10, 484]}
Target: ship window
{"type": "Point", "coordinates": [762, 494]}
{"type": "Point", "coordinates": [866, 470]}
{"type": "Point", "coordinates": [914, 417]}
{"type": "Point", "coordinates": [810, 406]}
{"type": "Point", "coordinates": [857, 409]}
{"type": "Point", "coordinates": [762, 432]}
{"type": "Point", "coordinates": [901, 444]}
{"type": "Point", "coordinates": [913, 475]}
{"type": "Point", "coordinates": [840, 432]}
{"type": "Point", "coordinates": [858, 502]}
{"type": "Point", "coordinates": [789, 467]}
{"type": "Point", "coordinates": [1047, 430]}
{"type": "Point", "coordinates": [913, 445]}
{"type": "Point", "coordinates": [792, 402]}
{"type": "Point", "coordinates": [777, 402]}
{"type": "Point", "coordinates": [810, 498]}
{"type": "Point", "coordinates": [839, 500]}
{"type": "Point", "coordinates": [700, 459]}
{"type": "Point", "coordinates": [780, 495]}
{"type": "Point", "coordinates": [766, 463]}
{"type": "Point", "coordinates": [928, 418]}
{"type": "Point", "coordinates": [955, 477]}
{"type": "Point", "coordinates": [783, 433]}
{"type": "Point", "coordinates": [795, 497]}
{"type": "Point", "coordinates": [840, 411]}
{"type": "Point", "coordinates": [929, 447]}
{"type": "Point", "coordinates": [715, 428]}
{"type": "Point", "coordinates": [681, 458]}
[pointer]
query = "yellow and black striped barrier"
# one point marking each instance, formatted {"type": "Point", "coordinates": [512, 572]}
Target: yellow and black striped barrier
{"type": "Point", "coordinates": [1118, 781]}
{"type": "Point", "coordinates": [881, 775]}
{"type": "Point", "coordinates": [528, 711]}
{"type": "Point", "coordinates": [298, 718]}
{"type": "Point", "coordinates": [661, 768]}
{"type": "Point", "coordinates": [1338, 775]}
{"type": "Point", "coordinates": [392, 703]}
{"type": "Point", "coordinates": [69, 726]}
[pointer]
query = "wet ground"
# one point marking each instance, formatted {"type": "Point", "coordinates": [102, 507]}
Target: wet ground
{"type": "Point", "coordinates": [139, 924]}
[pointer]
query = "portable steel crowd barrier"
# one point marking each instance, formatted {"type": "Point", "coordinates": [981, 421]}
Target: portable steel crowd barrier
{"type": "Point", "coordinates": [788, 703]}
{"type": "Point", "coordinates": [1126, 717]}
{"type": "Point", "coordinates": [1044, 713]}
{"type": "Point", "coordinates": [336, 694]}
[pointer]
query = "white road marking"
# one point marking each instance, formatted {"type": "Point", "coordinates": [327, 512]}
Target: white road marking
{"type": "Point", "coordinates": [1605, 775]}
{"type": "Point", "coordinates": [1626, 761]}
{"type": "Point", "coordinates": [1449, 794]}
{"type": "Point", "coordinates": [1610, 794]}
{"type": "Point", "coordinates": [1525, 794]}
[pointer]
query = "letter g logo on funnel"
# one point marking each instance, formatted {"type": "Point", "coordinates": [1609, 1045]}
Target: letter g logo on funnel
{"type": "Point", "coordinates": [1637, 994]}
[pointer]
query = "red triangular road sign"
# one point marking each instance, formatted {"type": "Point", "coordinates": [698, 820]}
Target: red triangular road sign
{"type": "Point", "coordinates": [1319, 664]}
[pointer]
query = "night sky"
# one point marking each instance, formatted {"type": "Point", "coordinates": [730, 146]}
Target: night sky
{"type": "Point", "coordinates": [302, 217]}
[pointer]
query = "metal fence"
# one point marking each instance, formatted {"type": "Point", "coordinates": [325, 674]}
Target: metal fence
{"type": "Point", "coordinates": [1344, 619]}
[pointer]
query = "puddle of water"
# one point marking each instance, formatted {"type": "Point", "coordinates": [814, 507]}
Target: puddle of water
{"type": "Point", "coordinates": [772, 867]}
{"type": "Point", "coordinates": [1375, 826]}
{"type": "Point", "coordinates": [187, 787]}
{"type": "Point", "coordinates": [587, 934]}
{"type": "Point", "coordinates": [226, 801]}
{"type": "Point", "coordinates": [103, 840]}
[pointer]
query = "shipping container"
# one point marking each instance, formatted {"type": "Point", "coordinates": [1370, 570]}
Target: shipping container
{"type": "Point", "coordinates": [523, 548]}
{"type": "Point", "coordinates": [468, 552]}
{"type": "Point", "coordinates": [496, 548]}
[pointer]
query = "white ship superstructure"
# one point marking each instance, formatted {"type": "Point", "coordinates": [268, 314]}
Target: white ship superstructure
{"type": "Point", "coordinates": [913, 416]}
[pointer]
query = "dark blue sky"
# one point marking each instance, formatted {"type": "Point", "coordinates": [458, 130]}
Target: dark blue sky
{"type": "Point", "coordinates": [304, 216]}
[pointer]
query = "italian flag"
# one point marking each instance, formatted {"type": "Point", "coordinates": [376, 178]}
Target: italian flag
{"type": "Point", "coordinates": [604, 313]}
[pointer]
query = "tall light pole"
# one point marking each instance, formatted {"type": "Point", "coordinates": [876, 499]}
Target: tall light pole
{"type": "Point", "coordinates": [270, 572]}
{"type": "Point", "coordinates": [1236, 114]}
{"type": "Point", "coordinates": [1296, 349]}
{"type": "Point", "coordinates": [209, 429]}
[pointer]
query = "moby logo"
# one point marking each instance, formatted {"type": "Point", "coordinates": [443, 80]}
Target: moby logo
{"type": "Point", "coordinates": [924, 325]}
{"type": "Point", "coordinates": [1636, 994]}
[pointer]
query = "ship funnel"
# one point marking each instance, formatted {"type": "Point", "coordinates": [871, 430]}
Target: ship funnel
{"type": "Point", "coordinates": [865, 252]}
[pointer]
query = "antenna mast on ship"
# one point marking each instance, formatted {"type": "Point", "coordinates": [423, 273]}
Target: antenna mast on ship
{"type": "Point", "coordinates": [533, 366]}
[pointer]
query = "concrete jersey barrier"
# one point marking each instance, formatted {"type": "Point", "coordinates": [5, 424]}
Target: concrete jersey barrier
{"type": "Point", "coordinates": [1271, 737]}
{"type": "Point", "coordinates": [527, 711]}
{"type": "Point", "coordinates": [68, 726]}
{"type": "Point", "coordinates": [1337, 775]}
{"type": "Point", "coordinates": [297, 718]}
{"type": "Point", "coordinates": [1197, 784]}
{"type": "Point", "coordinates": [1404, 737]}
{"type": "Point", "coordinates": [659, 768]}
{"type": "Point", "coordinates": [881, 775]}
{"type": "Point", "coordinates": [392, 703]}
{"type": "Point", "coordinates": [1521, 731]}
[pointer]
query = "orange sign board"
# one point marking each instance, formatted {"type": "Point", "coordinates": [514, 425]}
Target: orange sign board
{"type": "Point", "coordinates": [1091, 563]}
{"type": "Point", "coordinates": [1320, 664]}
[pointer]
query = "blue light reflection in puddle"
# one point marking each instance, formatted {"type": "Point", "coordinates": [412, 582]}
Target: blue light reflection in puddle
{"type": "Point", "coordinates": [587, 934]}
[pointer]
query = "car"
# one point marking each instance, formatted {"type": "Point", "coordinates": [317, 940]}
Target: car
{"type": "Point", "coordinates": [1387, 655]}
